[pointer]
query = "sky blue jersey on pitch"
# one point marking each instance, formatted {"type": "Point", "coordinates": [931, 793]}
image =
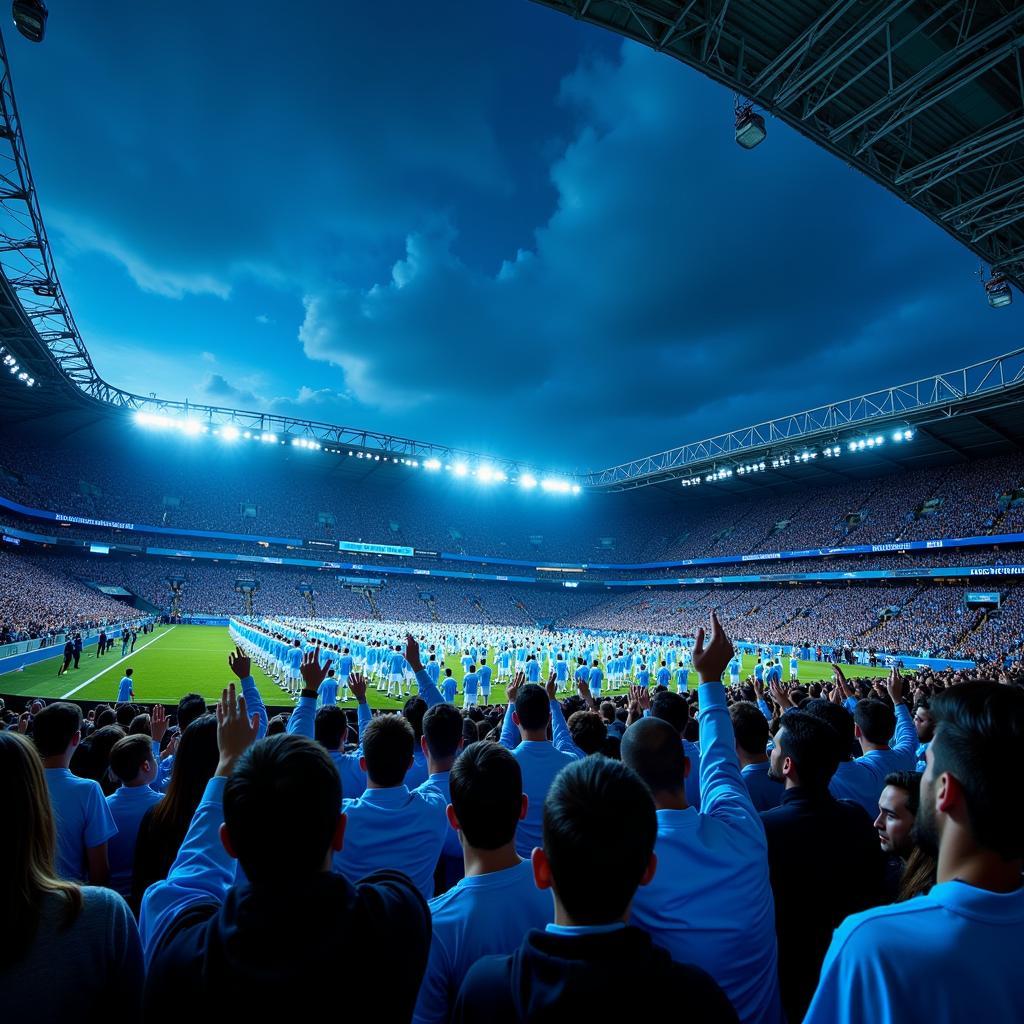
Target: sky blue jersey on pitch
{"type": "Point", "coordinates": [469, 683]}
{"type": "Point", "coordinates": [434, 671]}
{"type": "Point", "coordinates": [329, 693]}
{"type": "Point", "coordinates": [295, 659]}
{"type": "Point", "coordinates": [664, 676]}
{"type": "Point", "coordinates": [345, 666]}
{"type": "Point", "coordinates": [884, 964]}
{"type": "Point", "coordinates": [124, 690]}
{"type": "Point", "coordinates": [484, 676]}
{"type": "Point", "coordinates": [596, 680]}
{"type": "Point", "coordinates": [533, 671]}
{"type": "Point", "coordinates": [479, 916]}
{"type": "Point", "coordinates": [540, 761]}
{"type": "Point", "coordinates": [451, 687]}
{"type": "Point", "coordinates": [710, 901]}
{"type": "Point", "coordinates": [561, 671]}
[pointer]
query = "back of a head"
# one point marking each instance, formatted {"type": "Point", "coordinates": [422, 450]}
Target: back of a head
{"type": "Point", "coordinates": [651, 748]}
{"type": "Point", "coordinates": [487, 793]}
{"type": "Point", "coordinates": [129, 754]}
{"type": "Point", "coordinates": [55, 726]}
{"type": "Point", "coordinates": [27, 844]}
{"type": "Point", "coordinates": [414, 709]}
{"type": "Point", "coordinates": [387, 746]}
{"type": "Point", "coordinates": [599, 832]}
{"type": "Point", "coordinates": [876, 719]}
{"type": "Point", "coordinates": [839, 718]}
{"type": "Point", "coordinates": [750, 727]}
{"type": "Point", "coordinates": [125, 714]}
{"type": "Point", "coordinates": [190, 707]}
{"type": "Point", "coordinates": [532, 707]}
{"type": "Point", "coordinates": [141, 725]}
{"type": "Point", "coordinates": [330, 726]}
{"type": "Point", "coordinates": [588, 731]}
{"type": "Point", "coordinates": [812, 745]}
{"type": "Point", "coordinates": [672, 708]}
{"type": "Point", "coordinates": [281, 807]}
{"type": "Point", "coordinates": [608, 711]}
{"type": "Point", "coordinates": [979, 734]}
{"type": "Point", "coordinates": [442, 729]}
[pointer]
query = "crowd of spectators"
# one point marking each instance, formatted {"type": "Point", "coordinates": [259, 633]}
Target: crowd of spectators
{"type": "Point", "coordinates": [762, 851]}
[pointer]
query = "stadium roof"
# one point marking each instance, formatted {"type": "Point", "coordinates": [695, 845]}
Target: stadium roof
{"type": "Point", "coordinates": [927, 98]}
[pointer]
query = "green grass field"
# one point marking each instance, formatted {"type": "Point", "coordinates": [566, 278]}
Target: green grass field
{"type": "Point", "coordinates": [181, 659]}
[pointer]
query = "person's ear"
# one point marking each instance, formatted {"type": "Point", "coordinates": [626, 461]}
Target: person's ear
{"type": "Point", "coordinates": [225, 841]}
{"type": "Point", "coordinates": [76, 739]}
{"type": "Point", "coordinates": [423, 745]}
{"type": "Point", "coordinates": [338, 839]}
{"type": "Point", "coordinates": [522, 811]}
{"type": "Point", "coordinates": [541, 869]}
{"type": "Point", "coordinates": [452, 819]}
{"type": "Point", "coordinates": [649, 871]}
{"type": "Point", "coordinates": [856, 731]}
{"type": "Point", "coordinates": [515, 717]}
{"type": "Point", "coordinates": [362, 765]}
{"type": "Point", "coordinates": [948, 793]}
{"type": "Point", "coordinates": [686, 767]}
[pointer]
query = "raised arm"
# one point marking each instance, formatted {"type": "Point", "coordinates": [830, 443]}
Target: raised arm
{"type": "Point", "coordinates": [509, 730]}
{"type": "Point", "coordinates": [905, 739]}
{"type": "Point", "coordinates": [427, 689]}
{"type": "Point", "coordinates": [203, 871]}
{"type": "Point", "coordinates": [560, 735]}
{"type": "Point", "coordinates": [240, 665]}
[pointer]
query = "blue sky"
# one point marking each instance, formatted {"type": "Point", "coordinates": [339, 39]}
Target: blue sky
{"type": "Point", "coordinates": [481, 224]}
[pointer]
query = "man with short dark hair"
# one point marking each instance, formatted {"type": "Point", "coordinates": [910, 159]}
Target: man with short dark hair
{"type": "Point", "coordinates": [493, 907]}
{"type": "Point", "coordinates": [599, 832]}
{"type": "Point", "coordinates": [710, 903]}
{"type": "Point", "coordinates": [134, 763]}
{"type": "Point", "coordinates": [389, 826]}
{"type": "Point", "coordinates": [524, 731]}
{"type": "Point", "coordinates": [751, 730]}
{"type": "Point", "coordinates": [674, 709]}
{"type": "Point", "coordinates": [809, 833]}
{"type": "Point", "coordinates": [273, 807]}
{"type": "Point", "coordinates": [588, 732]}
{"type": "Point", "coordinates": [81, 816]}
{"type": "Point", "coordinates": [888, 964]}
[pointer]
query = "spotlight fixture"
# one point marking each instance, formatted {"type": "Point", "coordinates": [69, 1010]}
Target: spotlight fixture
{"type": "Point", "coordinates": [30, 19]}
{"type": "Point", "coordinates": [750, 129]}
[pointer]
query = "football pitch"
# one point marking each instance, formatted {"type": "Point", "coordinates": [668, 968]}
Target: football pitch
{"type": "Point", "coordinates": [175, 660]}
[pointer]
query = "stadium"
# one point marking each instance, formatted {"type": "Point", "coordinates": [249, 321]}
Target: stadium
{"type": "Point", "coordinates": [821, 607]}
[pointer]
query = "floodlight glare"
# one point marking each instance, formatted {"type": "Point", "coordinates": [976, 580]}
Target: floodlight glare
{"type": "Point", "coordinates": [527, 481]}
{"type": "Point", "coordinates": [269, 438]}
{"type": "Point", "coordinates": [485, 474]}
{"type": "Point", "coordinates": [229, 433]}
{"type": "Point", "coordinates": [192, 428]}
{"type": "Point", "coordinates": [879, 439]}
{"type": "Point", "coordinates": [908, 435]}
{"type": "Point", "coordinates": [499, 476]}
{"type": "Point", "coordinates": [460, 469]}
{"type": "Point", "coordinates": [576, 488]}
{"type": "Point", "coordinates": [432, 464]}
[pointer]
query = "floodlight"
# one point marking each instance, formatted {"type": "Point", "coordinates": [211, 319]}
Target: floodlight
{"type": "Point", "coordinates": [576, 488]}
{"type": "Point", "coordinates": [30, 19]}
{"type": "Point", "coordinates": [998, 291]}
{"type": "Point", "coordinates": [229, 433]}
{"type": "Point", "coordinates": [460, 469]}
{"type": "Point", "coordinates": [432, 464]}
{"type": "Point", "coordinates": [485, 474]}
{"type": "Point", "coordinates": [908, 435]}
{"type": "Point", "coordinates": [750, 129]}
{"type": "Point", "coordinates": [192, 428]}
{"type": "Point", "coordinates": [527, 481]}
{"type": "Point", "coordinates": [500, 476]}
{"type": "Point", "coordinates": [269, 438]}
{"type": "Point", "coordinates": [879, 439]}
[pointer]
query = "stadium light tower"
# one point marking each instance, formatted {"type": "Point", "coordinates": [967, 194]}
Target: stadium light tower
{"type": "Point", "coordinates": [30, 19]}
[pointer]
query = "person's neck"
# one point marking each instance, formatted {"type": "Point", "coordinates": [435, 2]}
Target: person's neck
{"type": "Point", "coordinates": [535, 735]}
{"type": "Point", "coordinates": [58, 760]}
{"type": "Point", "coordinates": [486, 862]}
{"type": "Point", "coordinates": [136, 783]}
{"type": "Point", "coordinates": [865, 746]}
{"type": "Point", "coordinates": [667, 800]}
{"type": "Point", "coordinates": [370, 784]}
{"type": "Point", "coordinates": [563, 918]}
{"type": "Point", "coordinates": [437, 767]}
{"type": "Point", "coordinates": [746, 758]}
{"type": "Point", "coordinates": [961, 861]}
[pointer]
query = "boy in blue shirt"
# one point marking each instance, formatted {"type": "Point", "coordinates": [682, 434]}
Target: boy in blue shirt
{"type": "Point", "coordinates": [126, 689]}
{"type": "Point", "coordinates": [493, 907]}
{"type": "Point", "coordinates": [133, 762]}
{"type": "Point", "coordinates": [82, 819]}
{"type": "Point", "coordinates": [885, 964]}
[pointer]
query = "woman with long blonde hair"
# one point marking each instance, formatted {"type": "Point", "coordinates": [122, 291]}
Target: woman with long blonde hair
{"type": "Point", "coordinates": [65, 950]}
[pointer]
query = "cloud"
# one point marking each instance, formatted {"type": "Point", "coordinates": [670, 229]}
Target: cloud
{"type": "Point", "coordinates": [262, 318]}
{"type": "Point", "coordinates": [218, 387]}
{"type": "Point", "coordinates": [680, 287]}
{"type": "Point", "coordinates": [208, 357]}
{"type": "Point", "coordinates": [170, 283]}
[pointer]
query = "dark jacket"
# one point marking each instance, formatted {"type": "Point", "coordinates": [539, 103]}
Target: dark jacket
{"type": "Point", "coordinates": [825, 864]}
{"type": "Point", "coordinates": [283, 951]}
{"type": "Point", "coordinates": [578, 978]}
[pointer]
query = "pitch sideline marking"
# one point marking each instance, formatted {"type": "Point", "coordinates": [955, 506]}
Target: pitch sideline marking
{"type": "Point", "coordinates": [82, 686]}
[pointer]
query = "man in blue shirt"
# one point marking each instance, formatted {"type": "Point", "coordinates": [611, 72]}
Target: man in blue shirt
{"type": "Point", "coordinates": [525, 732]}
{"type": "Point", "coordinates": [596, 679]}
{"type": "Point", "coordinates": [294, 665]}
{"type": "Point", "coordinates": [751, 730]}
{"type": "Point", "coordinates": [484, 676]}
{"type": "Point", "coordinates": [599, 833]}
{"type": "Point", "coordinates": [133, 762]}
{"type": "Point", "coordinates": [451, 686]}
{"type": "Point", "coordinates": [532, 669]}
{"type": "Point", "coordinates": [389, 826]}
{"type": "Point", "coordinates": [664, 676]}
{"type": "Point", "coordinates": [126, 689]}
{"type": "Point", "coordinates": [863, 779]}
{"type": "Point", "coordinates": [886, 965]}
{"type": "Point", "coordinates": [206, 936]}
{"type": "Point", "coordinates": [675, 710]}
{"type": "Point", "coordinates": [82, 819]}
{"type": "Point", "coordinates": [433, 669]}
{"type": "Point", "coordinates": [710, 903]}
{"type": "Point", "coordinates": [494, 906]}
{"type": "Point", "coordinates": [469, 687]}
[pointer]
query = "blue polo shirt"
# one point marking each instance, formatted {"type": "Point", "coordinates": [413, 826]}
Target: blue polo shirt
{"type": "Point", "coordinates": [710, 901]}
{"type": "Point", "coordinates": [481, 915]}
{"type": "Point", "coordinates": [885, 965]}
{"type": "Point", "coordinates": [127, 806]}
{"type": "Point", "coordinates": [82, 820]}
{"type": "Point", "coordinates": [394, 829]}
